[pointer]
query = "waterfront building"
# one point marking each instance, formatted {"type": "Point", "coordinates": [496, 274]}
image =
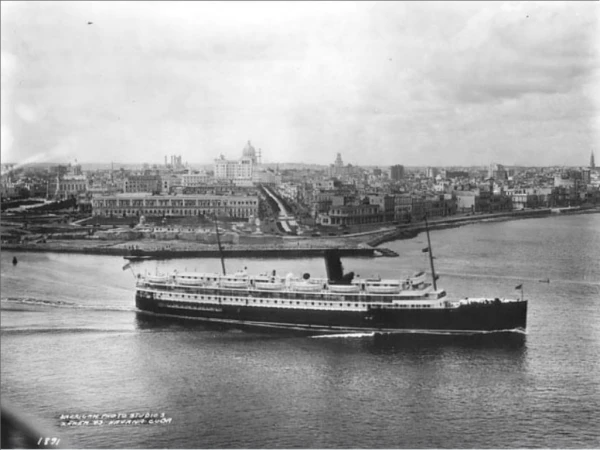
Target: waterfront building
{"type": "Point", "coordinates": [386, 205]}
{"type": "Point", "coordinates": [351, 215]}
{"type": "Point", "coordinates": [136, 204]}
{"type": "Point", "coordinates": [403, 207]}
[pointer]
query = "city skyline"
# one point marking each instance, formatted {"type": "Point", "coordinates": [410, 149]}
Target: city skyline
{"type": "Point", "coordinates": [432, 84]}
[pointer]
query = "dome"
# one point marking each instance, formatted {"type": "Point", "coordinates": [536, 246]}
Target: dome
{"type": "Point", "coordinates": [249, 151]}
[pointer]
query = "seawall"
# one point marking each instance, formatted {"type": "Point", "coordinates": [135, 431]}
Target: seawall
{"type": "Point", "coordinates": [212, 253]}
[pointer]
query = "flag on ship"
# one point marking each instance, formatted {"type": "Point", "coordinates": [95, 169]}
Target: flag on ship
{"type": "Point", "coordinates": [126, 266]}
{"type": "Point", "coordinates": [519, 286]}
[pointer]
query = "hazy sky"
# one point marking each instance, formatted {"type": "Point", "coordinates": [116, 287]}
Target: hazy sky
{"type": "Point", "coordinates": [382, 83]}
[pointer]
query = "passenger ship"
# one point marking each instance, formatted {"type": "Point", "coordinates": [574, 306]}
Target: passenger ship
{"type": "Point", "coordinates": [339, 303]}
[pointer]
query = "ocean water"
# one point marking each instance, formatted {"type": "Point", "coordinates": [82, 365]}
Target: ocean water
{"type": "Point", "coordinates": [73, 343]}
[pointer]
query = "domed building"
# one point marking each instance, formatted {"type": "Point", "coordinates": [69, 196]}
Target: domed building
{"type": "Point", "coordinates": [249, 152]}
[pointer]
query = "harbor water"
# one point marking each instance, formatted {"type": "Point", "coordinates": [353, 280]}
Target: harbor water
{"type": "Point", "coordinates": [73, 343]}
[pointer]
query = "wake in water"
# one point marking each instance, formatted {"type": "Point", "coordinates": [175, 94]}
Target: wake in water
{"type": "Point", "coordinates": [9, 303]}
{"type": "Point", "coordinates": [343, 335]}
{"type": "Point", "coordinates": [65, 330]}
{"type": "Point", "coordinates": [420, 332]}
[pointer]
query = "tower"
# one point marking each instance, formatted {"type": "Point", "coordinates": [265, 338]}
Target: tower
{"type": "Point", "coordinates": [592, 163]}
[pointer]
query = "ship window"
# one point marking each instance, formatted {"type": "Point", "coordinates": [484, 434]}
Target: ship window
{"type": "Point", "coordinates": [340, 304]}
{"type": "Point", "coordinates": [356, 304]}
{"type": "Point", "coordinates": [348, 304]}
{"type": "Point", "coordinates": [297, 303]}
{"type": "Point", "coordinates": [261, 301]}
{"type": "Point", "coordinates": [275, 301]}
{"type": "Point", "coordinates": [312, 303]}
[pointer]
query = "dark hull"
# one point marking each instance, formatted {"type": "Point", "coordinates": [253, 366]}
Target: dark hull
{"type": "Point", "coordinates": [493, 316]}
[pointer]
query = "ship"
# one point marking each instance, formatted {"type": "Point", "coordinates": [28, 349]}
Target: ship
{"type": "Point", "coordinates": [338, 303]}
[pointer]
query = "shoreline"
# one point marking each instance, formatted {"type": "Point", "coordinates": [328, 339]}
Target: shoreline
{"type": "Point", "coordinates": [364, 244]}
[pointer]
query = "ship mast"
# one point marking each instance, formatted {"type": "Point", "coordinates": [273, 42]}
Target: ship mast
{"type": "Point", "coordinates": [219, 244]}
{"type": "Point", "coordinates": [430, 254]}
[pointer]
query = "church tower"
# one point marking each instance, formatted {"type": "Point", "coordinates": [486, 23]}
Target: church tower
{"type": "Point", "coordinates": [592, 163]}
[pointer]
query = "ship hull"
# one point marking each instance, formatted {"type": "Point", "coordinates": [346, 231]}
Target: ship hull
{"type": "Point", "coordinates": [480, 317]}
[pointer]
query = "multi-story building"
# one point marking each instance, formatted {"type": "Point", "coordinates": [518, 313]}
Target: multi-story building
{"type": "Point", "coordinates": [352, 215]}
{"type": "Point", "coordinates": [497, 172]}
{"type": "Point", "coordinates": [70, 186]}
{"type": "Point", "coordinates": [194, 179]}
{"type": "Point", "coordinates": [233, 170]}
{"type": "Point", "coordinates": [386, 205]}
{"type": "Point", "coordinates": [136, 204]}
{"type": "Point", "coordinates": [403, 207]}
{"type": "Point", "coordinates": [142, 183]}
{"type": "Point", "coordinates": [397, 172]}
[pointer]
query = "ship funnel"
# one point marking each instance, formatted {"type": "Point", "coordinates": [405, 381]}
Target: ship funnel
{"type": "Point", "coordinates": [335, 270]}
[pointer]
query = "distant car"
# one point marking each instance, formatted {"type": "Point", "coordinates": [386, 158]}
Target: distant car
{"type": "Point", "coordinates": [316, 234]}
{"type": "Point", "coordinates": [332, 234]}
{"type": "Point", "coordinates": [346, 232]}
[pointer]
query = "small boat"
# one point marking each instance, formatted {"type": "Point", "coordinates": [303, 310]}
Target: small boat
{"type": "Point", "coordinates": [236, 284]}
{"type": "Point", "coordinates": [547, 280]}
{"type": "Point", "coordinates": [15, 261]}
{"type": "Point", "coordinates": [190, 281]}
{"type": "Point", "coordinates": [157, 278]}
{"type": "Point", "coordinates": [136, 258]}
{"type": "Point", "coordinates": [383, 289]}
{"type": "Point", "coordinates": [270, 286]}
{"type": "Point", "coordinates": [344, 288]}
{"type": "Point", "coordinates": [306, 287]}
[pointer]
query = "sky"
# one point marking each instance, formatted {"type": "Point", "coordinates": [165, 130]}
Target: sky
{"type": "Point", "coordinates": [382, 83]}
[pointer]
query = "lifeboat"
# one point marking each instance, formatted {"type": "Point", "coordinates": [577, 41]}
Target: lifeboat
{"type": "Point", "coordinates": [190, 281]}
{"type": "Point", "coordinates": [157, 278]}
{"type": "Point", "coordinates": [383, 288]}
{"type": "Point", "coordinates": [344, 288]}
{"type": "Point", "coordinates": [269, 286]}
{"type": "Point", "coordinates": [236, 284]}
{"type": "Point", "coordinates": [306, 287]}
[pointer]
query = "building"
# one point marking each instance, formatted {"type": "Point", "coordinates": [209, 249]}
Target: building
{"type": "Point", "coordinates": [71, 186]}
{"type": "Point", "coordinates": [142, 183]}
{"type": "Point", "coordinates": [397, 172]}
{"type": "Point", "coordinates": [352, 215]}
{"type": "Point", "coordinates": [137, 204]}
{"type": "Point", "coordinates": [233, 170]}
{"type": "Point", "coordinates": [194, 179]}
{"type": "Point", "coordinates": [450, 174]}
{"type": "Point", "coordinates": [497, 172]}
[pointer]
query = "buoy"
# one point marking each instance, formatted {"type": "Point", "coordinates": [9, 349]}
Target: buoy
{"type": "Point", "coordinates": [15, 261]}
